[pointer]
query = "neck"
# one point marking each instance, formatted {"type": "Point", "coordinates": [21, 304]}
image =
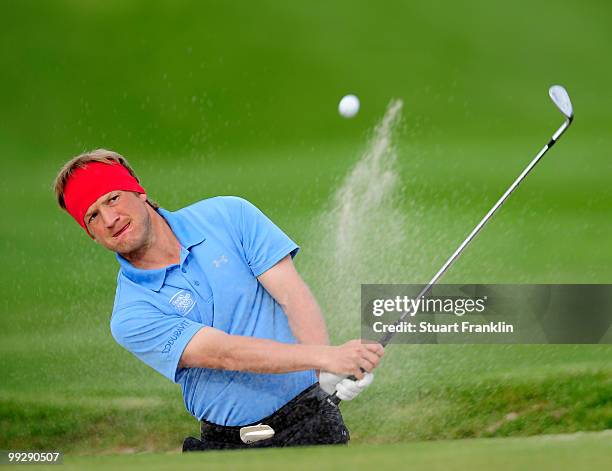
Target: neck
{"type": "Point", "coordinates": [162, 248]}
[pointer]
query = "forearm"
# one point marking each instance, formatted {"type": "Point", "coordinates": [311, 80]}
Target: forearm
{"type": "Point", "coordinates": [268, 356]}
{"type": "Point", "coordinates": [212, 348]}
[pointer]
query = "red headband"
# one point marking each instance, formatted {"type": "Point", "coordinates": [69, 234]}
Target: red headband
{"type": "Point", "coordinates": [96, 179]}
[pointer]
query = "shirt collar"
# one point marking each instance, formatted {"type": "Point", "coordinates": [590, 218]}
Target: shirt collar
{"type": "Point", "coordinates": [184, 230]}
{"type": "Point", "coordinates": [188, 236]}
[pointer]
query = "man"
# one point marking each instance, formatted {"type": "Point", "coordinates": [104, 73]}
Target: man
{"type": "Point", "coordinates": [209, 297]}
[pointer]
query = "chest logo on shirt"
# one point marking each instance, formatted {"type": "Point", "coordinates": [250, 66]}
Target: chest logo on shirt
{"type": "Point", "coordinates": [183, 302]}
{"type": "Point", "coordinates": [220, 261]}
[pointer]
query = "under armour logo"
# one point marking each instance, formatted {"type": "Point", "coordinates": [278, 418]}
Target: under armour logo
{"type": "Point", "coordinates": [222, 259]}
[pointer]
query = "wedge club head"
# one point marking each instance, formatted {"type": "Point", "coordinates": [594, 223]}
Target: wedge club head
{"type": "Point", "coordinates": [559, 96]}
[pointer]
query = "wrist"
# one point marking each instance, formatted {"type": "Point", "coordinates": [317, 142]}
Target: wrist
{"type": "Point", "coordinates": [321, 358]}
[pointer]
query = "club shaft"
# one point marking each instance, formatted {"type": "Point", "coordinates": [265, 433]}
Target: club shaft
{"type": "Point", "coordinates": [389, 335]}
{"type": "Point", "coordinates": [472, 235]}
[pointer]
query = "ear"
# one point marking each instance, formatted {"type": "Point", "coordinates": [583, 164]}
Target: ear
{"type": "Point", "coordinates": [143, 196]}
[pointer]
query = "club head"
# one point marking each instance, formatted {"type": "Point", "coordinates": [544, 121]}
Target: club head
{"type": "Point", "coordinates": [559, 96]}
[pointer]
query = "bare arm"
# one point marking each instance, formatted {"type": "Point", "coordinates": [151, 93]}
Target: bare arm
{"type": "Point", "coordinates": [213, 348]}
{"type": "Point", "coordinates": [286, 286]}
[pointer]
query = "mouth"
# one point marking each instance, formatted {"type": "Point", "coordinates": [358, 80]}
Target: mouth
{"type": "Point", "coordinates": [122, 230]}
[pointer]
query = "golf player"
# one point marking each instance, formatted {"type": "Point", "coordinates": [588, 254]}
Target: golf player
{"type": "Point", "coordinates": [209, 297]}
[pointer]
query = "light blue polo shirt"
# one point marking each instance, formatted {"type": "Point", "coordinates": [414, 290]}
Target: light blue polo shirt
{"type": "Point", "coordinates": [226, 242]}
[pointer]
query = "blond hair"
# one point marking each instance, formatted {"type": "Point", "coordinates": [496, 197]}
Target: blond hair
{"type": "Point", "coordinates": [81, 161]}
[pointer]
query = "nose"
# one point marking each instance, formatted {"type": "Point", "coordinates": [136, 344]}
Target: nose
{"type": "Point", "coordinates": [109, 217]}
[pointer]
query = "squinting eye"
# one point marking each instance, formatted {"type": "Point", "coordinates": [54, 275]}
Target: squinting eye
{"type": "Point", "coordinates": [114, 198]}
{"type": "Point", "coordinates": [91, 218]}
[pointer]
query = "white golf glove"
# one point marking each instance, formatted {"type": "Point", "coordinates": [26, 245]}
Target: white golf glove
{"type": "Point", "coordinates": [347, 388]}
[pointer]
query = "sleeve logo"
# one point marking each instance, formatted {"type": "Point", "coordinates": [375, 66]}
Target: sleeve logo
{"type": "Point", "coordinates": [175, 335]}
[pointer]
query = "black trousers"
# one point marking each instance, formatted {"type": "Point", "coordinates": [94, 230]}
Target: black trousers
{"type": "Point", "coordinates": [305, 420]}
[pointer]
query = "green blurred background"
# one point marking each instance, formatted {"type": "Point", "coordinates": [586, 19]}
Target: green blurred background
{"type": "Point", "coordinates": [216, 98]}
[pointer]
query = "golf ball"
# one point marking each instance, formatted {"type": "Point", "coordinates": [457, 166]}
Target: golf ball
{"type": "Point", "coordinates": [348, 106]}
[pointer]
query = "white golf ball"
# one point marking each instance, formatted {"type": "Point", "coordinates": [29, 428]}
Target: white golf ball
{"type": "Point", "coordinates": [348, 106]}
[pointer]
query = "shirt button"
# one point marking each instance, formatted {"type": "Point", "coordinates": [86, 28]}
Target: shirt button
{"type": "Point", "coordinates": [184, 270]}
{"type": "Point", "coordinates": [196, 282]}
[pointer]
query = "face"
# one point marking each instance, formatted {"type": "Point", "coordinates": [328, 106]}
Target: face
{"type": "Point", "coordinates": [120, 221]}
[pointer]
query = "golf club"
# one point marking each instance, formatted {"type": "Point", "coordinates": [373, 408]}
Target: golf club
{"type": "Point", "coordinates": [561, 99]}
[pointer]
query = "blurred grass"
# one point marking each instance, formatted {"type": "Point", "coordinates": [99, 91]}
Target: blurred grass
{"type": "Point", "coordinates": [543, 453]}
{"type": "Point", "coordinates": [456, 401]}
{"type": "Point", "coordinates": [210, 98]}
